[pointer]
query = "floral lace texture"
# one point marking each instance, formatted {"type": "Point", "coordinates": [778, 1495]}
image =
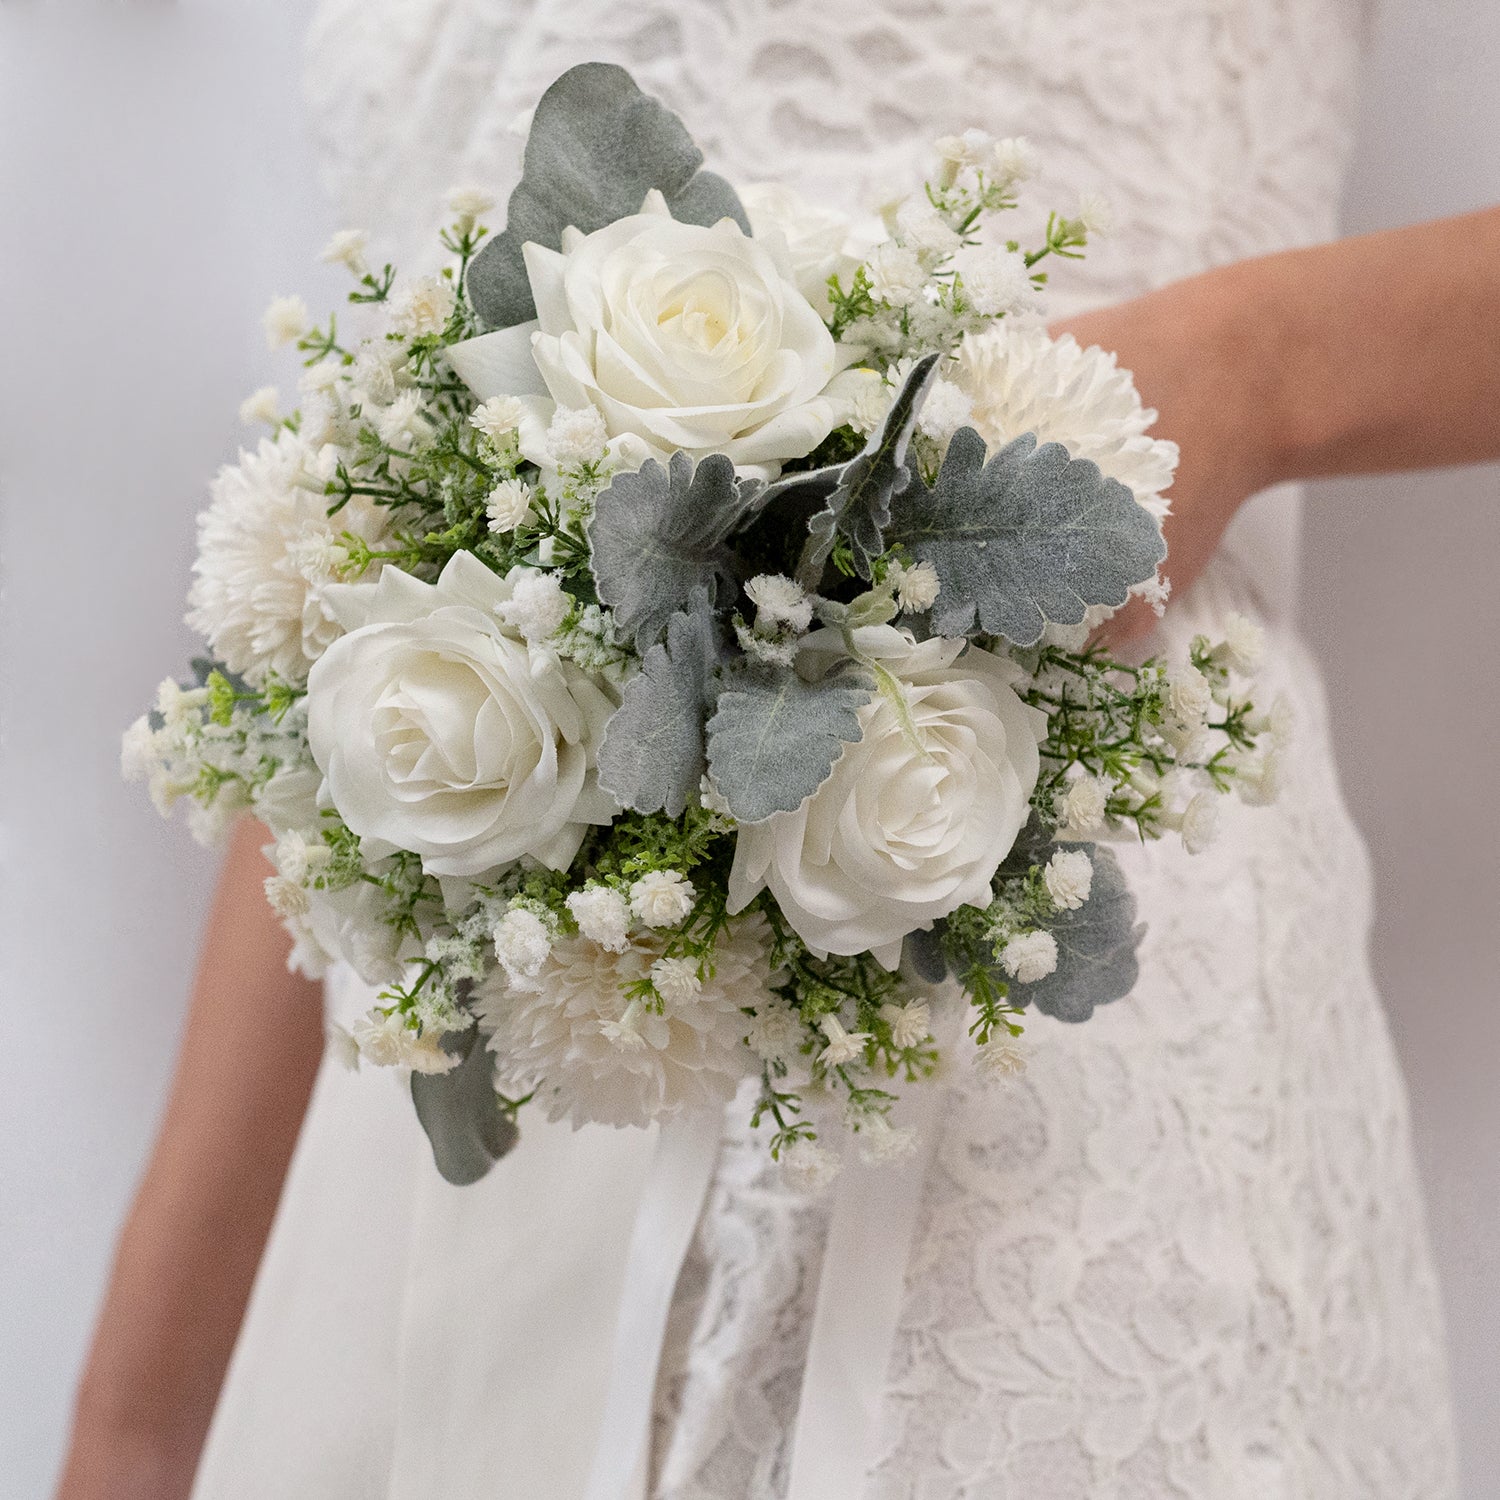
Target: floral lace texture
{"type": "Point", "coordinates": [1216, 128]}
{"type": "Point", "coordinates": [1183, 1256]}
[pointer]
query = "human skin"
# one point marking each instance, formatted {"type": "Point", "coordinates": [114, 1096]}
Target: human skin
{"type": "Point", "coordinates": [190, 1247]}
{"type": "Point", "coordinates": [1373, 354]}
{"type": "Point", "coordinates": [1367, 355]}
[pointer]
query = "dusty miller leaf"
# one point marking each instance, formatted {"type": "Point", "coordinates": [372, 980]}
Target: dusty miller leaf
{"type": "Point", "coordinates": [922, 953]}
{"type": "Point", "coordinates": [596, 147]}
{"type": "Point", "coordinates": [465, 1122]}
{"type": "Point", "coordinates": [1096, 948]}
{"type": "Point", "coordinates": [774, 738]}
{"type": "Point", "coordinates": [658, 534]}
{"type": "Point", "coordinates": [653, 755]}
{"type": "Point", "coordinates": [1027, 537]}
{"type": "Point", "coordinates": [860, 492]}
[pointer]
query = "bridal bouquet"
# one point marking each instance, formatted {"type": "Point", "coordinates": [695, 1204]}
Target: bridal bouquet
{"type": "Point", "coordinates": [658, 644]}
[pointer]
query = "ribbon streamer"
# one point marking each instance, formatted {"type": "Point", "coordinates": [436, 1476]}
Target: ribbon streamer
{"type": "Point", "coordinates": [671, 1202]}
{"type": "Point", "coordinates": [858, 1311]}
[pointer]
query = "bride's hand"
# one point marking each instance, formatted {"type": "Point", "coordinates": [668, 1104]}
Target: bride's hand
{"type": "Point", "coordinates": [1179, 344]}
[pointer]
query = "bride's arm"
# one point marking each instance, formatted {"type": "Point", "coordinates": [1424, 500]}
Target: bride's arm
{"type": "Point", "coordinates": [1371, 354]}
{"type": "Point", "coordinates": [188, 1252]}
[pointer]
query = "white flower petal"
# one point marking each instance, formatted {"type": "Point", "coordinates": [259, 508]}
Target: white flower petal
{"type": "Point", "coordinates": [571, 1030]}
{"type": "Point", "coordinates": [499, 363]}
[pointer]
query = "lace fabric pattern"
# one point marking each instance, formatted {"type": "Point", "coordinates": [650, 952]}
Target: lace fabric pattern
{"type": "Point", "coordinates": [1184, 1255]}
{"type": "Point", "coordinates": [1216, 128]}
{"type": "Point", "coordinates": [1181, 1256]}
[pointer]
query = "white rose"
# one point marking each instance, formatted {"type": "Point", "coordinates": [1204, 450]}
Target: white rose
{"type": "Point", "coordinates": [439, 731]}
{"type": "Point", "coordinates": [819, 242]}
{"type": "Point", "coordinates": [680, 336]}
{"type": "Point", "coordinates": [901, 834]}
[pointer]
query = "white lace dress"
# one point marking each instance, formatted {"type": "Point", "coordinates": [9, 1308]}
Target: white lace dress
{"type": "Point", "coordinates": [1184, 1256]}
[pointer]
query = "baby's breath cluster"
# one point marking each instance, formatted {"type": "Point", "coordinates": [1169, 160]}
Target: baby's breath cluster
{"type": "Point", "coordinates": [1139, 751]}
{"type": "Point", "coordinates": [945, 269]}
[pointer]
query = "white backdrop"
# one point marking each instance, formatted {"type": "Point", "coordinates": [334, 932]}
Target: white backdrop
{"type": "Point", "coordinates": [1399, 598]}
{"type": "Point", "coordinates": [158, 186]}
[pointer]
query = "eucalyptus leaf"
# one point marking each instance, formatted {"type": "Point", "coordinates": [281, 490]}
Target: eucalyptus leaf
{"type": "Point", "coordinates": [1026, 537]}
{"type": "Point", "coordinates": [1096, 948]}
{"type": "Point", "coordinates": [859, 505]}
{"type": "Point", "coordinates": [596, 147]}
{"type": "Point", "coordinates": [465, 1122]}
{"type": "Point", "coordinates": [658, 534]}
{"type": "Point", "coordinates": [774, 738]}
{"type": "Point", "coordinates": [653, 756]}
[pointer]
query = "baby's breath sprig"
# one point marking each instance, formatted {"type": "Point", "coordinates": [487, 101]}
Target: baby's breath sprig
{"type": "Point", "coordinates": [972, 949]}
{"type": "Point", "coordinates": [1101, 718]}
{"type": "Point", "coordinates": [317, 344]}
{"type": "Point", "coordinates": [374, 287]}
{"type": "Point", "coordinates": [1133, 728]}
{"type": "Point", "coordinates": [1064, 237]}
{"type": "Point", "coordinates": [851, 305]}
{"type": "Point", "coordinates": [345, 864]}
{"type": "Point", "coordinates": [413, 898]}
{"type": "Point", "coordinates": [225, 694]}
{"type": "Point", "coordinates": [780, 1104]}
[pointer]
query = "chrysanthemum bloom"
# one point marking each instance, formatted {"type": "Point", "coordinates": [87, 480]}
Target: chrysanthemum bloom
{"type": "Point", "coordinates": [596, 1055]}
{"type": "Point", "coordinates": [1021, 379]}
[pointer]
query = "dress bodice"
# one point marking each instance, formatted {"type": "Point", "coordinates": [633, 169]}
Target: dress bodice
{"type": "Point", "coordinates": [1217, 129]}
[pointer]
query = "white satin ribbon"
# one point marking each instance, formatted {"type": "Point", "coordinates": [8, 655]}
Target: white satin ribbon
{"type": "Point", "coordinates": [547, 1392]}
{"type": "Point", "coordinates": [858, 1309]}
{"type": "Point", "coordinates": [860, 1293]}
{"type": "Point", "coordinates": [513, 1287]}
{"type": "Point", "coordinates": [671, 1202]}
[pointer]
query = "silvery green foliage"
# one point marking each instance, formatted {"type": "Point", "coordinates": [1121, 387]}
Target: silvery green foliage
{"type": "Point", "coordinates": [658, 534]}
{"type": "Point", "coordinates": [859, 506]}
{"type": "Point", "coordinates": [775, 737]}
{"type": "Point", "coordinates": [653, 756]}
{"type": "Point", "coordinates": [922, 954]}
{"type": "Point", "coordinates": [1027, 537]}
{"type": "Point", "coordinates": [597, 146]}
{"type": "Point", "coordinates": [1096, 948]}
{"type": "Point", "coordinates": [461, 1113]}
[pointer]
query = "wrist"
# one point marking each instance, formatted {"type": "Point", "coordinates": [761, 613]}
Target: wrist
{"type": "Point", "coordinates": [1238, 351]}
